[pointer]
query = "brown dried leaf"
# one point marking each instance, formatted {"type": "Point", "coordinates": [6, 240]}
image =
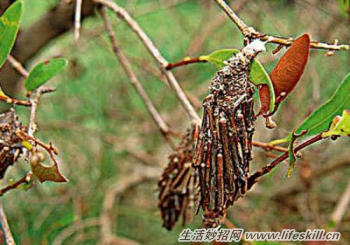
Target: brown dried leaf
{"type": "Point", "coordinates": [45, 173]}
{"type": "Point", "coordinates": [291, 66]}
{"type": "Point", "coordinates": [264, 95]}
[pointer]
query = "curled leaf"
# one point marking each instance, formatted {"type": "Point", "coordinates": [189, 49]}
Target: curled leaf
{"type": "Point", "coordinates": [340, 125]}
{"type": "Point", "coordinates": [45, 173]}
{"type": "Point", "coordinates": [289, 69]}
{"type": "Point", "coordinates": [9, 23]}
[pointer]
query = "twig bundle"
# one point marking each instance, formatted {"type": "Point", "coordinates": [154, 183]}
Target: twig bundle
{"type": "Point", "coordinates": [223, 151]}
{"type": "Point", "coordinates": [10, 143]}
{"type": "Point", "coordinates": [179, 183]}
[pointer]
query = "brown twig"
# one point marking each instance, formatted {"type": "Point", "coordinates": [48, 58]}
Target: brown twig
{"type": "Point", "coordinates": [25, 179]}
{"type": "Point", "coordinates": [250, 32]}
{"type": "Point", "coordinates": [48, 147]}
{"type": "Point", "coordinates": [266, 169]}
{"type": "Point", "coordinates": [124, 61]}
{"type": "Point", "coordinates": [14, 101]}
{"type": "Point", "coordinates": [268, 147]}
{"type": "Point", "coordinates": [317, 173]}
{"type": "Point", "coordinates": [186, 61]}
{"type": "Point", "coordinates": [152, 49]}
{"type": "Point", "coordinates": [5, 227]}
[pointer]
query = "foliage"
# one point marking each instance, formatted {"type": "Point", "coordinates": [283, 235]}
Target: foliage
{"type": "Point", "coordinates": [44, 71]}
{"type": "Point", "coordinates": [9, 23]}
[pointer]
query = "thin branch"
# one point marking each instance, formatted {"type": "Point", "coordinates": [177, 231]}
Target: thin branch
{"type": "Point", "coordinates": [5, 226]}
{"type": "Point", "coordinates": [18, 66]}
{"type": "Point", "coordinates": [342, 206]}
{"type": "Point", "coordinates": [138, 175]}
{"type": "Point", "coordinates": [317, 173]}
{"type": "Point", "coordinates": [245, 29]}
{"type": "Point", "coordinates": [268, 147]}
{"type": "Point", "coordinates": [250, 32]}
{"type": "Point", "coordinates": [25, 179]}
{"type": "Point", "coordinates": [124, 61]}
{"type": "Point", "coordinates": [267, 169]}
{"type": "Point", "coordinates": [79, 225]}
{"type": "Point", "coordinates": [33, 109]}
{"type": "Point", "coordinates": [14, 101]}
{"type": "Point", "coordinates": [152, 49]}
{"type": "Point", "coordinates": [48, 147]}
{"type": "Point", "coordinates": [77, 19]}
{"type": "Point", "coordinates": [184, 62]}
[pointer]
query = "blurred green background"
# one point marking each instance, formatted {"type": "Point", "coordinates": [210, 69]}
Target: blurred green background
{"type": "Point", "coordinates": [101, 127]}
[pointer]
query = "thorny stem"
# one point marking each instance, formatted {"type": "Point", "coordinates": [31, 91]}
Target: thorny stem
{"type": "Point", "coordinates": [250, 32]}
{"type": "Point", "coordinates": [153, 50]}
{"type": "Point", "coordinates": [5, 227]}
{"type": "Point", "coordinates": [267, 169]}
{"type": "Point", "coordinates": [134, 80]}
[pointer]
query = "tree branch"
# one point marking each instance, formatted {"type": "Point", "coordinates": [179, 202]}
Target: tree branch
{"type": "Point", "coordinates": [266, 169]}
{"type": "Point", "coordinates": [152, 49]}
{"type": "Point", "coordinates": [5, 226]}
{"type": "Point", "coordinates": [124, 61]}
{"type": "Point", "coordinates": [250, 32]}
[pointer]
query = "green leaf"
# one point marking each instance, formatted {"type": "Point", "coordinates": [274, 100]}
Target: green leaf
{"type": "Point", "coordinates": [340, 126]}
{"type": "Point", "coordinates": [43, 72]}
{"type": "Point", "coordinates": [321, 118]}
{"type": "Point", "coordinates": [258, 75]}
{"type": "Point", "coordinates": [9, 23]}
{"type": "Point", "coordinates": [219, 57]}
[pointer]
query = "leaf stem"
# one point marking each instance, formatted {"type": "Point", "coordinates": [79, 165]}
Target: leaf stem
{"type": "Point", "coordinates": [267, 169]}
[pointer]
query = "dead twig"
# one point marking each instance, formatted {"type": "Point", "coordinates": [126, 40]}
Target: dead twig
{"type": "Point", "coordinates": [5, 226]}
{"type": "Point", "coordinates": [135, 81]}
{"type": "Point", "coordinates": [250, 32]}
{"type": "Point", "coordinates": [152, 49]}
